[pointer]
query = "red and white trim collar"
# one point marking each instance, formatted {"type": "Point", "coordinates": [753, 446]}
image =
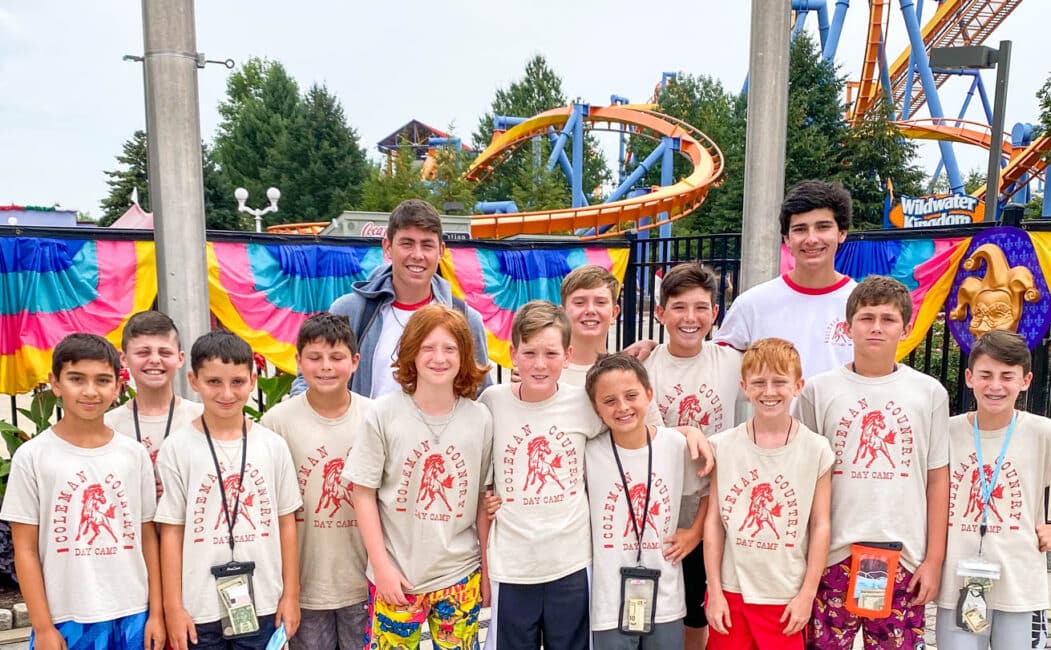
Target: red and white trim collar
{"type": "Point", "coordinates": [810, 291]}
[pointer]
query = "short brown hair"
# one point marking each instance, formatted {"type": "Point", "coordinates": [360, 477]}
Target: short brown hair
{"type": "Point", "coordinates": [81, 346]}
{"type": "Point", "coordinates": [148, 323]}
{"type": "Point", "coordinates": [422, 323]}
{"type": "Point", "coordinates": [880, 290]}
{"type": "Point", "coordinates": [773, 354]}
{"type": "Point", "coordinates": [689, 275]}
{"type": "Point", "coordinates": [537, 315]}
{"type": "Point", "coordinates": [805, 196]}
{"type": "Point", "coordinates": [414, 213]}
{"type": "Point", "coordinates": [610, 363]}
{"type": "Point", "coordinates": [1003, 346]}
{"type": "Point", "coordinates": [589, 276]}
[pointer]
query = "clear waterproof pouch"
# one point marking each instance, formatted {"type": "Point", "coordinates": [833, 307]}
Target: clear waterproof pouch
{"type": "Point", "coordinates": [233, 583]}
{"type": "Point", "coordinates": [873, 568]}
{"type": "Point", "coordinates": [638, 599]}
{"type": "Point", "coordinates": [977, 576]}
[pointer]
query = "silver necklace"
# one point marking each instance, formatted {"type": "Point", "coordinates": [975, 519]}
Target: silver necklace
{"type": "Point", "coordinates": [443, 424]}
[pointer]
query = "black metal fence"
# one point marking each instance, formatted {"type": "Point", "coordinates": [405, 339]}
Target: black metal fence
{"type": "Point", "coordinates": [938, 355]}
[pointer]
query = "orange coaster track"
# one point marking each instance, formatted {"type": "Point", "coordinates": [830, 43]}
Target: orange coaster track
{"type": "Point", "coordinates": [663, 205]}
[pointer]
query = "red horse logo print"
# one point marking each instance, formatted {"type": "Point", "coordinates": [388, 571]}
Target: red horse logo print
{"type": "Point", "coordinates": [93, 519]}
{"type": "Point", "coordinates": [333, 491]}
{"type": "Point", "coordinates": [875, 439]}
{"type": "Point", "coordinates": [974, 498]}
{"type": "Point", "coordinates": [839, 334]}
{"type": "Point", "coordinates": [637, 496]}
{"type": "Point", "coordinates": [540, 468]}
{"type": "Point", "coordinates": [434, 482]}
{"type": "Point", "coordinates": [761, 510]}
{"type": "Point", "coordinates": [691, 413]}
{"type": "Point", "coordinates": [232, 487]}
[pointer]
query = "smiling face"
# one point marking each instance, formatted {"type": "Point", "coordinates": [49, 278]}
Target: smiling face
{"type": "Point", "coordinates": [438, 361]}
{"type": "Point", "coordinates": [687, 318]}
{"type": "Point", "coordinates": [813, 238]}
{"type": "Point", "coordinates": [414, 254]}
{"type": "Point", "coordinates": [327, 368]}
{"type": "Point", "coordinates": [621, 401]}
{"type": "Point", "coordinates": [876, 330]}
{"type": "Point", "coordinates": [996, 386]}
{"type": "Point", "coordinates": [771, 392]}
{"type": "Point", "coordinates": [153, 360]}
{"type": "Point", "coordinates": [540, 361]}
{"type": "Point", "coordinates": [591, 312]}
{"type": "Point", "coordinates": [224, 387]}
{"type": "Point", "coordinates": [87, 388]}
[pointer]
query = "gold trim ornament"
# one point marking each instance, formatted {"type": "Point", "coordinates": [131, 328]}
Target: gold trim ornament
{"type": "Point", "coordinates": [996, 300]}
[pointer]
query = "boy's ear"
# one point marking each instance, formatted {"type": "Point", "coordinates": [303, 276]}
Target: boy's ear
{"type": "Point", "coordinates": [182, 359]}
{"type": "Point", "coordinates": [658, 311]}
{"type": "Point", "coordinates": [967, 375]}
{"type": "Point", "coordinates": [1028, 379]}
{"type": "Point", "coordinates": [192, 378]}
{"type": "Point", "coordinates": [616, 310]}
{"type": "Point", "coordinates": [52, 381]}
{"type": "Point", "coordinates": [569, 357]}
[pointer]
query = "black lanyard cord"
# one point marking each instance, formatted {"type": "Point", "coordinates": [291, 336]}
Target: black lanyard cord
{"type": "Point", "coordinates": [167, 425]}
{"type": "Point", "coordinates": [231, 520]}
{"type": "Point", "coordinates": [639, 532]}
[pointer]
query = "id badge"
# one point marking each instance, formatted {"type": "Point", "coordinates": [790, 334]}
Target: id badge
{"type": "Point", "coordinates": [233, 583]}
{"type": "Point", "coordinates": [972, 610]}
{"type": "Point", "coordinates": [638, 599]}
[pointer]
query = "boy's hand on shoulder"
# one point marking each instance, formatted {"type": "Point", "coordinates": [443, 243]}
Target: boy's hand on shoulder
{"type": "Point", "coordinates": [797, 613]}
{"type": "Point", "coordinates": [717, 611]}
{"type": "Point", "coordinates": [680, 544]}
{"type": "Point", "coordinates": [180, 627]}
{"type": "Point", "coordinates": [925, 583]}
{"type": "Point", "coordinates": [391, 586]}
{"type": "Point", "coordinates": [700, 448]}
{"type": "Point", "coordinates": [288, 613]}
{"type": "Point", "coordinates": [1043, 536]}
{"type": "Point", "coordinates": [641, 350]}
{"type": "Point", "coordinates": [49, 639]}
{"type": "Point", "coordinates": [492, 504]}
{"type": "Point", "coordinates": [154, 636]}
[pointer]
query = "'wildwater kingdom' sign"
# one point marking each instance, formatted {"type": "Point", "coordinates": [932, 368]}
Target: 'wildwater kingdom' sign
{"type": "Point", "coordinates": [935, 210]}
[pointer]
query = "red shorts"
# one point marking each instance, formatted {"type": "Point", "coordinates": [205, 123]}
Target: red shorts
{"type": "Point", "coordinates": [753, 627]}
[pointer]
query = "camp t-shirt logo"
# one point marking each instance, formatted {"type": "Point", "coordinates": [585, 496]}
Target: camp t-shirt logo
{"type": "Point", "coordinates": [836, 334]}
{"type": "Point", "coordinates": [770, 511]}
{"type": "Point", "coordinates": [878, 440]}
{"type": "Point", "coordinates": [443, 481]}
{"type": "Point", "coordinates": [702, 409]}
{"type": "Point", "coordinates": [92, 519]}
{"type": "Point", "coordinates": [965, 497]}
{"type": "Point", "coordinates": [539, 467]}
{"type": "Point", "coordinates": [252, 501]}
{"type": "Point", "coordinates": [616, 516]}
{"type": "Point", "coordinates": [335, 498]}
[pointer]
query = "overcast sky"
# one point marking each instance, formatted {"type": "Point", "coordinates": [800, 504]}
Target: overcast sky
{"type": "Point", "coordinates": [68, 101]}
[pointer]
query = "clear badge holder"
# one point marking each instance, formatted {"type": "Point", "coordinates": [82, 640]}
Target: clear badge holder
{"type": "Point", "coordinates": [638, 599]}
{"type": "Point", "coordinates": [233, 583]}
{"type": "Point", "coordinates": [977, 577]}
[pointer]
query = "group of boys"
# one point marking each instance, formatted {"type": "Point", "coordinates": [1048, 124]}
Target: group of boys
{"type": "Point", "coordinates": [257, 531]}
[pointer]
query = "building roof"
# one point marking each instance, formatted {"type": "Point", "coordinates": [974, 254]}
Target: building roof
{"type": "Point", "coordinates": [416, 134]}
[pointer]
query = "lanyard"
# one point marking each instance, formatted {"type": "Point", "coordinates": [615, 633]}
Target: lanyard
{"type": "Point", "coordinates": [987, 486]}
{"type": "Point", "coordinates": [167, 425]}
{"type": "Point", "coordinates": [231, 520]}
{"type": "Point", "coordinates": [639, 532]}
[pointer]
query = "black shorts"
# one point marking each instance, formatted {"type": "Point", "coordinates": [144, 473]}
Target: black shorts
{"type": "Point", "coordinates": [696, 583]}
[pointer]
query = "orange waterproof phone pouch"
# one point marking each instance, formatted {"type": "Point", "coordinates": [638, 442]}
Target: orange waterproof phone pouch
{"type": "Point", "coordinates": [873, 567]}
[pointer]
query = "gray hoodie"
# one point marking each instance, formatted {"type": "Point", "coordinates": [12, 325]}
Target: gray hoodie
{"type": "Point", "coordinates": [363, 305]}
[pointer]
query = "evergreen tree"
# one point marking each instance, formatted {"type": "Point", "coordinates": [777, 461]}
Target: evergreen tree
{"type": "Point", "coordinates": [817, 130]}
{"type": "Point", "coordinates": [130, 176]}
{"type": "Point", "coordinates": [1044, 96]}
{"type": "Point", "coordinates": [448, 185]}
{"type": "Point", "coordinates": [386, 188]}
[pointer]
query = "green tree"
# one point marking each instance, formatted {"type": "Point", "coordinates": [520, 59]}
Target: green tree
{"type": "Point", "coordinates": [448, 184]}
{"type": "Point", "coordinates": [131, 175]}
{"type": "Point", "coordinates": [317, 162]}
{"type": "Point", "coordinates": [220, 207]}
{"type": "Point", "coordinates": [534, 189]}
{"type": "Point", "coordinates": [817, 129]}
{"type": "Point", "coordinates": [539, 89]}
{"type": "Point", "coordinates": [386, 188]}
{"type": "Point", "coordinates": [1044, 96]}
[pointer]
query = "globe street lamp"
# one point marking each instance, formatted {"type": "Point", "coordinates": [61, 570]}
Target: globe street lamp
{"type": "Point", "coordinates": [272, 195]}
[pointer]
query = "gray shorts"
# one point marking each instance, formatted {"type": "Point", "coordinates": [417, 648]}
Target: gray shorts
{"type": "Point", "coordinates": [664, 636]}
{"type": "Point", "coordinates": [339, 629]}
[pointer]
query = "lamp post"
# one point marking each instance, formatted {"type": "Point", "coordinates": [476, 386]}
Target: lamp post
{"type": "Point", "coordinates": [272, 195]}
{"type": "Point", "coordinates": [980, 56]}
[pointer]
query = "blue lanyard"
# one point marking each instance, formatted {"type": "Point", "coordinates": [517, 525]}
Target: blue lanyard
{"type": "Point", "coordinates": [987, 486]}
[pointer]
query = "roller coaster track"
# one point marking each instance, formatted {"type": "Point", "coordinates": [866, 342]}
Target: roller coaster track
{"type": "Point", "coordinates": [1032, 159]}
{"type": "Point", "coordinates": [663, 205]}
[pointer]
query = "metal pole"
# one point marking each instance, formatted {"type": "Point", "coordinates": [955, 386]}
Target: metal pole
{"type": "Point", "coordinates": [176, 182]}
{"type": "Point", "coordinates": [764, 157]}
{"type": "Point", "coordinates": [992, 178]}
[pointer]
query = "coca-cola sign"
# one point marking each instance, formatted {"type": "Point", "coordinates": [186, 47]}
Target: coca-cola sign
{"type": "Point", "coordinates": [373, 230]}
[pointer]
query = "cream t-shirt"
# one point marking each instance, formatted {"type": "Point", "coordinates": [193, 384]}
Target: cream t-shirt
{"type": "Point", "coordinates": [613, 539]}
{"type": "Point", "coordinates": [886, 434]}
{"type": "Point", "coordinates": [192, 499]}
{"type": "Point", "coordinates": [427, 486]}
{"type": "Point", "coordinates": [122, 420]}
{"type": "Point", "coordinates": [765, 498]}
{"type": "Point", "coordinates": [89, 505]}
{"type": "Point", "coordinates": [1015, 510]}
{"type": "Point", "coordinates": [332, 556]}
{"type": "Point", "coordinates": [575, 374]}
{"type": "Point", "coordinates": [542, 531]}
